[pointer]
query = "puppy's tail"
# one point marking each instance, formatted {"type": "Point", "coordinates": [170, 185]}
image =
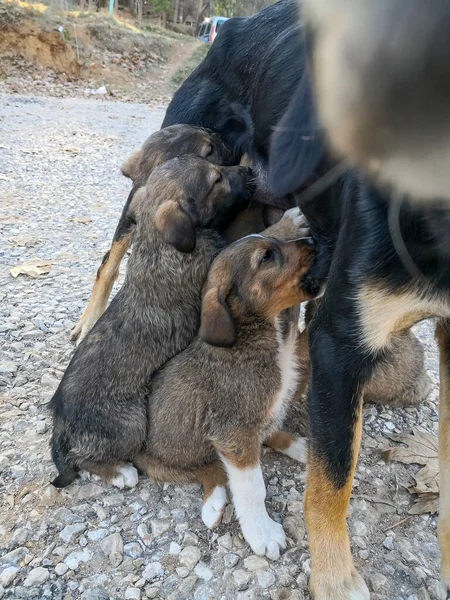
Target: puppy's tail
{"type": "Point", "coordinates": [66, 472]}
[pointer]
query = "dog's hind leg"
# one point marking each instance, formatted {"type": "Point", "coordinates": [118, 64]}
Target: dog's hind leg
{"type": "Point", "coordinates": [443, 338]}
{"type": "Point", "coordinates": [287, 443]}
{"type": "Point", "coordinates": [107, 273]}
{"type": "Point", "coordinates": [214, 480]}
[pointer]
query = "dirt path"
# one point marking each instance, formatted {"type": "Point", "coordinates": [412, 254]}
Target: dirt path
{"type": "Point", "coordinates": [61, 194]}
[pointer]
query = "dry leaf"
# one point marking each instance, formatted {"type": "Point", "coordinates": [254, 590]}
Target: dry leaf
{"type": "Point", "coordinates": [421, 449]}
{"type": "Point", "coordinates": [84, 220]}
{"type": "Point", "coordinates": [24, 240]}
{"type": "Point", "coordinates": [35, 267]}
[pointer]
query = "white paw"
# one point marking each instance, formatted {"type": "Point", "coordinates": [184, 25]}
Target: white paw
{"type": "Point", "coordinates": [127, 476]}
{"type": "Point", "coordinates": [264, 536]}
{"type": "Point", "coordinates": [443, 590]}
{"type": "Point", "coordinates": [82, 328]}
{"type": "Point", "coordinates": [214, 506]}
{"type": "Point", "coordinates": [296, 217]}
{"type": "Point", "coordinates": [330, 588]}
{"type": "Point", "coordinates": [298, 450]}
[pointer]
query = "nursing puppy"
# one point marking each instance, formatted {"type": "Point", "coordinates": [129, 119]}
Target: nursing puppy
{"type": "Point", "coordinates": [100, 407]}
{"type": "Point", "coordinates": [160, 147]}
{"type": "Point", "coordinates": [214, 405]}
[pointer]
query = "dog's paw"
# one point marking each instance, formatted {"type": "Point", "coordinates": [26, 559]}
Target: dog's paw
{"type": "Point", "coordinates": [126, 477]}
{"type": "Point", "coordinates": [298, 450]}
{"type": "Point", "coordinates": [265, 537]}
{"type": "Point", "coordinates": [296, 216]}
{"type": "Point", "coordinates": [332, 588]}
{"type": "Point", "coordinates": [82, 328]}
{"type": "Point", "coordinates": [443, 590]}
{"type": "Point", "coordinates": [214, 507]}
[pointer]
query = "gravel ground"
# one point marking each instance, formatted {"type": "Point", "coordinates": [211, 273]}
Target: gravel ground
{"type": "Point", "coordinates": [59, 166]}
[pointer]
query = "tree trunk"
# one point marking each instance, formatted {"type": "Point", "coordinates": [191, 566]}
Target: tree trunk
{"type": "Point", "coordinates": [176, 10]}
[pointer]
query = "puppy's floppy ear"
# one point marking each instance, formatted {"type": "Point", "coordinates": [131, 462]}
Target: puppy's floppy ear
{"type": "Point", "coordinates": [176, 226]}
{"type": "Point", "coordinates": [217, 326]}
{"type": "Point", "coordinates": [296, 144]}
{"type": "Point", "coordinates": [130, 166]}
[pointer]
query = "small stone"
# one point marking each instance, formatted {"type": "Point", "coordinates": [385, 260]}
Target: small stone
{"type": "Point", "coordinates": [410, 557]}
{"type": "Point", "coordinates": [95, 594]}
{"type": "Point", "coordinates": [250, 594]}
{"type": "Point", "coordinates": [50, 496]}
{"type": "Point", "coordinates": [71, 532]}
{"type": "Point", "coordinates": [36, 576]}
{"type": "Point", "coordinates": [152, 571]}
{"type": "Point", "coordinates": [41, 427]}
{"type": "Point", "coordinates": [15, 558]}
{"type": "Point", "coordinates": [203, 571]}
{"type": "Point", "coordinates": [174, 548]}
{"type": "Point", "coordinates": [4, 462]}
{"type": "Point", "coordinates": [112, 544]}
{"type": "Point", "coordinates": [8, 575]}
{"type": "Point", "coordinates": [241, 579]}
{"type": "Point", "coordinates": [377, 582]}
{"type": "Point", "coordinates": [132, 593]}
{"type": "Point", "coordinates": [159, 528]}
{"type": "Point", "coordinates": [230, 560]}
{"type": "Point", "coordinates": [61, 569]}
{"type": "Point", "coordinates": [74, 559]}
{"type": "Point", "coordinates": [190, 556]}
{"type": "Point", "coordinates": [190, 539]}
{"type": "Point", "coordinates": [144, 534]}
{"type": "Point", "coordinates": [96, 535]}
{"type": "Point", "coordinates": [254, 563]}
{"type": "Point", "coordinates": [133, 550]}
{"type": "Point", "coordinates": [265, 578]}
{"type": "Point", "coordinates": [182, 572]}
{"type": "Point", "coordinates": [225, 541]}
{"type": "Point", "coordinates": [294, 525]}
{"type": "Point", "coordinates": [359, 528]}
{"type": "Point", "coordinates": [388, 543]}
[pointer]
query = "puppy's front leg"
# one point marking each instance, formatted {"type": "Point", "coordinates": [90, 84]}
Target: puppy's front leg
{"type": "Point", "coordinates": [241, 459]}
{"type": "Point", "coordinates": [443, 338]}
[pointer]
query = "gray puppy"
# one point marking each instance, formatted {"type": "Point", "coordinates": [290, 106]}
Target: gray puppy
{"type": "Point", "coordinates": [100, 407]}
{"type": "Point", "coordinates": [213, 405]}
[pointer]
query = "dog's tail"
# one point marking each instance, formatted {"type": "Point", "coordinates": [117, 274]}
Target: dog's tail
{"type": "Point", "coordinates": [66, 472]}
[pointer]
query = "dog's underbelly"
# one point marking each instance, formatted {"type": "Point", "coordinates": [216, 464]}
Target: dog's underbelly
{"type": "Point", "coordinates": [383, 313]}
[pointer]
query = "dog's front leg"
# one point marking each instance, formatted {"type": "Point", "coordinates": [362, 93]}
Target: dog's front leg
{"type": "Point", "coordinates": [443, 338]}
{"type": "Point", "coordinates": [241, 456]}
{"type": "Point", "coordinates": [338, 371]}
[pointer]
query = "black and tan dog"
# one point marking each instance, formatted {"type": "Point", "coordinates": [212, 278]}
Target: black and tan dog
{"type": "Point", "coordinates": [100, 408]}
{"type": "Point", "coordinates": [160, 147]}
{"type": "Point", "coordinates": [389, 263]}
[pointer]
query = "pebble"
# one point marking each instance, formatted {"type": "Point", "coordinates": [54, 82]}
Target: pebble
{"type": "Point", "coordinates": [190, 556]}
{"type": "Point", "coordinates": [388, 543]}
{"type": "Point", "coordinates": [152, 571]}
{"type": "Point", "coordinates": [159, 528]}
{"type": "Point", "coordinates": [8, 575]}
{"type": "Point", "coordinates": [41, 427]}
{"type": "Point", "coordinates": [265, 578]}
{"type": "Point", "coordinates": [144, 534]}
{"type": "Point", "coordinates": [71, 532]}
{"type": "Point", "coordinates": [203, 571]}
{"type": "Point", "coordinates": [112, 544]}
{"type": "Point", "coordinates": [241, 578]}
{"type": "Point", "coordinates": [61, 569]}
{"type": "Point", "coordinates": [377, 582]}
{"type": "Point", "coordinates": [133, 550]}
{"type": "Point", "coordinates": [132, 593]}
{"type": "Point", "coordinates": [254, 563]}
{"type": "Point", "coordinates": [95, 594]}
{"type": "Point", "coordinates": [230, 560]}
{"type": "Point", "coordinates": [174, 548]}
{"type": "Point", "coordinates": [36, 576]}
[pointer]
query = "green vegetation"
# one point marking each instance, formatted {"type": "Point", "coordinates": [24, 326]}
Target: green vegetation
{"type": "Point", "coordinates": [186, 69]}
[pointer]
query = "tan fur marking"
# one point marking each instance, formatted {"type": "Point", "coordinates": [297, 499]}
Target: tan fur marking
{"type": "Point", "coordinates": [383, 313]}
{"type": "Point", "coordinates": [443, 339]}
{"type": "Point", "coordinates": [325, 516]}
{"type": "Point", "coordinates": [242, 449]}
{"type": "Point", "coordinates": [280, 441]}
{"type": "Point", "coordinates": [210, 477]}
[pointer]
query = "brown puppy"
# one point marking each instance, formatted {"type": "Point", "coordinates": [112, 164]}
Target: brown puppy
{"type": "Point", "coordinates": [99, 408]}
{"type": "Point", "coordinates": [158, 148]}
{"type": "Point", "coordinates": [212, 406]}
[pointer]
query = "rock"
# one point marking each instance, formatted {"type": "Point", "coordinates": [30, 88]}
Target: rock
{"type": "Point", "coordinates": [15, 558]}
{"type": "Point", "coordinates": [294, 526]}
{"type": "Point", "coordinates": [36, 576]}
{"type": "Point", "coordinates": [4, 462]}
{"type": "Point", "coordinates": [71, 532]}
{"type": "Point", "coordinates": [159, 528]}
{"type": "Point", "coordinates": [41, 427]}
{"type": "Point", "coordinates": [61, 569]}
{"type": "Point", "coordinates": [97, 534]}
{"type": "Point", "coordinates": [254, 563]}
{"type": "Point", "coordinates": [251, 594]}
{"type": "Point", "coordinates": [132, 593]}
{"type": "Point", "coordinates": [377, 582]}
{"type": "Point", "coordinates": [95, 594]}
{"type": "Point", "coordinates": [190, 539]}
{"type": "Point", "coordinates": [112, 544]}
{"type": "Point", "coordinates": [152, 571]}
{"type": "Point", "coordinates": [8, 575]}
{"type": "Point", "coordinates": [265, 578]}
{"type": "Point", "coordinates": [230, 560]}
{"type": "Point", "coordinates": [359, 528]}
{"type": "Point", "coordinates": [50, 496]}
{"type": "Point", "coordinates": [241, 579]}
{"type": "Point", "coordinates": [203, 571]}
{"type": "Point", "coordinates": [174, 548]}
{"type": "Point", "coordinates": [388, 543]}
{"type": "Point", "coordinates": [182, 572]}
{"type": "Point", "coordinates": [74, 558]}
{"type": "Point", "coordinates": [190, 556]}
{"type": "Point", "coordinates": [133, 550]}
{"type": "Point", "coordinates": [144, 534]}
{"type": "Point", "coordinates": [225, 541]}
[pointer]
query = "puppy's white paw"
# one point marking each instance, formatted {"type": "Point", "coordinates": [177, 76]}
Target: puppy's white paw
{"type": "Point", "coordinates": [83, 327]}
{"type": "Point", "coordinates": [330, 588]}
{"type": "Point", "coordinates": [296, 217]}
{"type": "Point", "coordinates": [443, 590]}
{"type": "Point", "coordinates": [214, 507]}
{"type": "Point", "coordinates": [126, 476]}
{"type": "Point", "coordinates": [265, 537]}
{"type": "Point", "coordinates": [298, 450]}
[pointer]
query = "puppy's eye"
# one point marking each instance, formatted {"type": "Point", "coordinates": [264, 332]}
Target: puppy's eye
{"type": "Point", "coordinates": [268, 256]}
{"type": "Point", "coordinates": [219, 178]}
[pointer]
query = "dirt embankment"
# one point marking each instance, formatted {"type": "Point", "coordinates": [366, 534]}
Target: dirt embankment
{"type": "Point", "coordinates": [67, 54]}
